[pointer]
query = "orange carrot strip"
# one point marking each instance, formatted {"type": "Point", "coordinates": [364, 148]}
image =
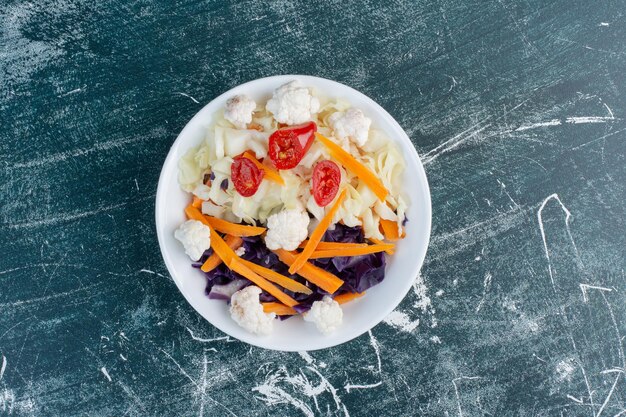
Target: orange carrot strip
{"type": "Point", "coordinates": [317, 235]}
{"type": "Point", "coordinates": [236, 265]}
{"type": "Point", "coordinates": [348, 296]}
{"type": "Point", "coordinates": [233, 242]}
{"type": "Point", "coordinates": [390, 229]}
{"type": "Point", "coordinates": [317, 276]}
{"type": "Point", "coordinates": [331, 253]}
{"type": "Point", "coordinates": [364, 173]}
{"type": "Point", "coordinates": [231, 259]}
{"type": "Point", "coordinates": [270, 173]}
{"type": "Point", "coordinates": [380, 242]}
{"type": "Point", "coordinates": [197, 202]}
{"type": "Point", "coordinates": [333, 245]}
{"type": "Point", "coordinates": [279, 309]}
{"type": "Point", "coordinates": [234, 228]}
{"type": "Point", "coordinates": [276, 278]}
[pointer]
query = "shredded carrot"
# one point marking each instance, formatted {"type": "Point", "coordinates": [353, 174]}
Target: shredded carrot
{"type": "Point", "coordinates": [234, 228]}
{"type": "Point", "coordinates": [317, 276]}
{"type": "Point", "coordinates": [236, 265]}
{"type": "Point", "coordinates": [317, 235]}
{"type": "Point", "coordinates": [276, 278]}
{"type": "Point", "coordinates": [390, 229]}
{"type": "Point", "coordinates": [348, 296]}
{"type": "Point", "coordinates": [360, 170]}
{"type": "Point", "coordinates": [230, 258]}
{"type": "Point", "coordinates": [380, 242]}
{"type": "Point", "coordinates": [197, 202]}
{"type": "Point", "coordinates": [331, 253]}
{"type": "Point", "coordinates": [333, 245]}
{"type": "Point", "coordinates": [233, 242]}
{"type": "Point", "coordinates": [270, 173]}
{"type": "Point", "coordinates": [278, 308]}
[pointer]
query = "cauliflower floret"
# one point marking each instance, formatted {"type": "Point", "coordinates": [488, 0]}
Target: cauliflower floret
{"type": "Point", "coordinates": [239, 110]}
{"type": "Point", "coordinates": [195, 237]}
{"type": "Point", "coordinates": [292, 104]}
{"type": "Point", "coordinates": [351, 124]}
{"type": "Point", "coordinates": [247, 311]}
{"type": "Point", "coordinates": [326, 314]}
{"type": "Point", "coordinates": [287, 229]}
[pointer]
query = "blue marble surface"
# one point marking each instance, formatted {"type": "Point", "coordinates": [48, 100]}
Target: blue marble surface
{"type": "Point", "coordinates": [517, 109]}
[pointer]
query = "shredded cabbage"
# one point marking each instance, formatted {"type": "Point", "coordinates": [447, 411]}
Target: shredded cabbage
{"type": "Point", "coordinates": [360, 208]}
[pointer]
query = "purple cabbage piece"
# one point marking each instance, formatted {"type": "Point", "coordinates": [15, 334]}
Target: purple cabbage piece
{"type": "Point", "coordinates": [358, 272]}
{"type": "Point", "coordinates": [225, 291]}
{"type": "Point", "coordinates": [224, 184]}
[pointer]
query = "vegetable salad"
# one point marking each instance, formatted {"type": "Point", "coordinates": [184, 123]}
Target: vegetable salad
{"type": "Point", "coordinates": [295, 203]}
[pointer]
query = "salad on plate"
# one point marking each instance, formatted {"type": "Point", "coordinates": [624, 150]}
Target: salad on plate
{"type": "Point", "coordinates": [295, 204]}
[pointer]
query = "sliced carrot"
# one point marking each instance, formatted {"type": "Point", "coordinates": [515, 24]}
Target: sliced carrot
{"type": "Point", "coordinates": [390, 229]}
{"type": "Point", "coordinates": [233, 242]}
{"type": "Point", "coordinates": [364, 173]}
{"type": "Point", "coordinates": [317, 235]}
{"type": "Point", "coordinates": [197, 202]}
{"type": "Point", "coordinates": [234, 228]}
{"type": "Point", "coordinates": [380, 242]}
{"type": "Point", "coordinates": [348, 296]}
{"type": "Point", "coordinates": [276, 278]}
{"type": "Point", "coordinates": [279, 309]}
{"type": "Point", "coordinates": [230, 258]}
{"type": "Point", "coordinates": [365, 250]}
{"type": "Point", "coordinates": [333, 245]}
{"type": "Point", "coordinates": [236, 265]}
{"type": "Point", "coordinates": [270, 173]}
{"type": "Point", "coordinates": [317, 276]}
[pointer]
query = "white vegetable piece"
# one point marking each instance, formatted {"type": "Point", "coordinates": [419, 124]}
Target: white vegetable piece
{"type": "Point", "coordinates": [351, 124]}
{"type": "Point", "coordinates": [240, 251]}
{"type": "Point", "coordinates": [239, 110]}
{"type": "Point", "coordinates": [195, 237]}
{"type": "Point", "coordinates": [247, 311]}
{"type": "Point", "coordinates": [287, 229]}
{"type": "Point", "coordinates": [293, 103]}
{"type": "Point", "coordinates": [326, 314]}
{"type": "Point", "coordinates": [212, 209]}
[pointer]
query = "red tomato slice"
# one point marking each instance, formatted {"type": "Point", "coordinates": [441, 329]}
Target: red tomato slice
{"type": "Point", "coordinates": [326, 179]}
{"type": "Point", "coordinates": [288, 145]}
{"type": "Point", "coordinates": [246, 176]}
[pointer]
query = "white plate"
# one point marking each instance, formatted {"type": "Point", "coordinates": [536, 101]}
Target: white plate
{"type": "Point", "coordinates": [294, 334]}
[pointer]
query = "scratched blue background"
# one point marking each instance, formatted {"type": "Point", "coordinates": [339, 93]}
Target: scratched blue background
{"type": "Point", "coordinates": [517, 109]}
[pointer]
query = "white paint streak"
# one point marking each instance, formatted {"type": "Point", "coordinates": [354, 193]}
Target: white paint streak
{"type": "Point", "coordinates": [608, 397]}
{"type": "Point", "coordinates": [4, 366]}
{"type": "Point", "coordinates": [579, 401]}
{"type": "Point", "coordinates": [147, 271]}
{"type": "Point", "coordinates": [348, 387]}
{"type": "Point", "coordinates": [453, 142]}
{"type": "Point", "coordinates": [486, 287]}
{"type": "Point", "coordinates": [603, 24]}
{"type": "Point", "coordinates": [456, 390]}
{"type": "Point", "coordinates": [585, 287]}
{"type": "Point", "coordinates": [305, 355]}
{"type": "Point", "coordinates": [553, 122]}
{"type": "Point", "coordinates": [589, 119]}
{"type": "Point", "coordinates": [188, 96]}
{"type": "Point", "coordinates": [180, 368]}
{"type": "Point", "coordinates": [401, 321]}
{"type": "Point", "coordinates": [376, 347]}
{"type": "Point", "coordinates": [106, 373]}
{"type": "Point", "coordinates": [124, 358]}
{"type": "Point", "coordinates": [543, 233]}
{"type": "Point", "coordinates": [226, 339]}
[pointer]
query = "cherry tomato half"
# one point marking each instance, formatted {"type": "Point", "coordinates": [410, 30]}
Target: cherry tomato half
{"type": "Point", "coordinates": [246, 176]}
{"type": "Point", "coordinates": [326, 179]}
{"type": "Point", "coordinates": [288, 145]}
